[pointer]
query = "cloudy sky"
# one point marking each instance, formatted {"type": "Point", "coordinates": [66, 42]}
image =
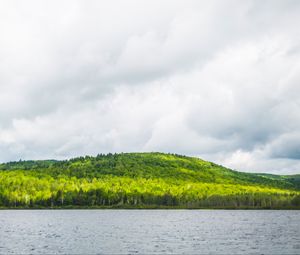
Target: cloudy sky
{"type": "Point", "coordinates": [215, 79]}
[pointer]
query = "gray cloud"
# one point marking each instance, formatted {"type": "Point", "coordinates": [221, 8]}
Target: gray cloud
{"type": "Point", "coordinates": [219, 80]}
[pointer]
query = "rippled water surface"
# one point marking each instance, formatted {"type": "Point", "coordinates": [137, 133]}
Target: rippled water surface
{"type": "Point", "coordinates": [149, 232]}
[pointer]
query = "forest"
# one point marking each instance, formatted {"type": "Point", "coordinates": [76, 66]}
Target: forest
{"type": "Point", "coordinates": [141, 180]}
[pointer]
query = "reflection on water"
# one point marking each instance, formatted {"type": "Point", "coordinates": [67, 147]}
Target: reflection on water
{"type": "Point", "coordinates": [149, 232]}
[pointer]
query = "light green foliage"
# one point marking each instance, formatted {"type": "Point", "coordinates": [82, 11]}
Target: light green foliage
{"type": "Point", "coordinates": [141, 179]}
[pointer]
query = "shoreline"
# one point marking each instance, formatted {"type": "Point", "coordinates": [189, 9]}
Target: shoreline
{"type": "Point", "coordinates": [154, 207]}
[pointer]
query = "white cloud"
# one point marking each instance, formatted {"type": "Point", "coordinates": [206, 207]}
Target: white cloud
{"type": "Point", "coordinates": [216, 80]}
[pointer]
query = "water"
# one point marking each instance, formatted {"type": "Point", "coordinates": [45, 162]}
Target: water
{"type": "Point", "coordinates": [149, 232]}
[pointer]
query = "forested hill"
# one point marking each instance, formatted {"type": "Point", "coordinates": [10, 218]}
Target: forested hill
{"type": "Point", "coordinates": [141, 180]}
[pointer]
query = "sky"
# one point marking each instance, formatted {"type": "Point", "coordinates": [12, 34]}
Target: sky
{"type": "Point", "coordinates": [219, 80]}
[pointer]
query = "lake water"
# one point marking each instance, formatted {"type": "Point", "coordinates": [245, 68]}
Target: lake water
{"type": "Point", "coordinates": [149, 232]}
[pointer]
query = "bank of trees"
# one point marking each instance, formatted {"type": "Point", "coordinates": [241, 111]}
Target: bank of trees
{"type": "Point", "coordinates": [19, 188]}
{"type": "Point", "coordinates": [139, 180]}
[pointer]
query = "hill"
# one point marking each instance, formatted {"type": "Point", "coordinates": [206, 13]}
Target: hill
{"type": "Point", "coordinates": [141, 180]}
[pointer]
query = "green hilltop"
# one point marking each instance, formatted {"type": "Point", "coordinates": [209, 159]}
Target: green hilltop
{"type": "Point", "coordinates": [141, 180]}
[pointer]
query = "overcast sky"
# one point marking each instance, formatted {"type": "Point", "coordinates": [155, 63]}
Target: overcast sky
{"type": "Point", "coordinates": [215, 79]}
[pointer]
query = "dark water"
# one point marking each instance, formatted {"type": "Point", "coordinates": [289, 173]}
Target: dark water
{"type": "Point", "coordinates": [149, 232]}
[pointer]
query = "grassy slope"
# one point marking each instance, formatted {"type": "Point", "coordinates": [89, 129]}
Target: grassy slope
{"type": "Point", "coordinates": [149, 173]}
